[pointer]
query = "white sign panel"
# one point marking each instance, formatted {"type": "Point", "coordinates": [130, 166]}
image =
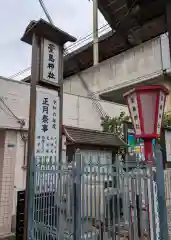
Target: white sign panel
{"type": "Point", "coordinates": [133, 106]}
{"type": "Point", "coordinates": [50, 61]}
{"type": "Point", "coordinates": [160, 111]}
{"type": "Point", "coordinates": [47, 140]}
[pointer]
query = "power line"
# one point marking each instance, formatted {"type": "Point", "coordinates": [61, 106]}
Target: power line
{"type": "Point", "coordinates": [81, 40]}
{"type": "Point", "coordinates": [69, 48]}
{"type": "Point", "coordinates": [95, 101]}
{"type": "Point", "coordinates": [12, 113]}
{"type": "Point", "coordinates": [91, 94]}
{"type": "Point", "coordinates": [20, 121]}
{"type": "Point", "coordinates": [19, 73]}
{"type": "Point", "coordinates": [50, 20]}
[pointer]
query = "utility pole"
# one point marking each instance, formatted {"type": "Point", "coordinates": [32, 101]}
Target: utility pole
{"type": "Point", "coordinates": [95, 33]}
{"type": "Point", "coordinates": [45, 119]}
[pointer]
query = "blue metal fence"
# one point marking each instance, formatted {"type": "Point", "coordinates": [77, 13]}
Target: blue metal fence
{"type": "Point", "coordinates": [86, 200]}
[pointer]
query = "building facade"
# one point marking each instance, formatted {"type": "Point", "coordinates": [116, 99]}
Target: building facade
{"type": "Point", "coordinates": [146, 64]}
{"type": "Point", "coordinates": [14, 114]}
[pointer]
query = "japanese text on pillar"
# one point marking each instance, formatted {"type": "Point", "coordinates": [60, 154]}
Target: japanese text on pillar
{"type": "Point", "coordinates": [50, 61]}
{"type": "Point", "coordinates": [46, 148]}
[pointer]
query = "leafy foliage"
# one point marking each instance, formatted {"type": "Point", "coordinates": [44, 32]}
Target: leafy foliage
{"type": "Point", "coordinates": [115, 124]}
{"type": "Point", "coordinates": [167, 119]}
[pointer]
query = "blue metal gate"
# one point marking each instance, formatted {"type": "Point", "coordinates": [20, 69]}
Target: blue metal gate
{"type": "Point", "coordinates": [90, 200]}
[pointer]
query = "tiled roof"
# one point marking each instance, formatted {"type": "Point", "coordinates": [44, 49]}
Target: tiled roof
{"type": "Point", "coordinates": [92, 137]}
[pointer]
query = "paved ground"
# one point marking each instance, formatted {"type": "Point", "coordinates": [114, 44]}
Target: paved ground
{"type": "Point", "coordinates": [9, 237]}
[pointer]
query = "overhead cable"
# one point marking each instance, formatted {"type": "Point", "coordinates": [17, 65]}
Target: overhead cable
{"type": "Point", "coordinates": [81, 40]}
{"type": "Point", "coordinates": [68, 49]}
{"type": "Point", "coordinates": [98, 105]}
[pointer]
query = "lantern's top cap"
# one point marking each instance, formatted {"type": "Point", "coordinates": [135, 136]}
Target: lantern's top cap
{"type": "Point", "coordinates": [46, 30]}
{"type": "Point", "coordinates": [147, 89]}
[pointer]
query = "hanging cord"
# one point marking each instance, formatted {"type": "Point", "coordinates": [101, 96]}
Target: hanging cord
{"type": "Point", "coordinates": [20, 121]}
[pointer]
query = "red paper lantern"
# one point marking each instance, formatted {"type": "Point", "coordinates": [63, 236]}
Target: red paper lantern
{"type": "Point", "coordinates": [146, 106]}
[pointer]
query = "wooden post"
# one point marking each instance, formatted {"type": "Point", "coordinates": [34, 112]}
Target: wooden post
{"type": "Point", "coordinates": [32, 123]}
{"type": "Point", "coordinates": [47, 68]}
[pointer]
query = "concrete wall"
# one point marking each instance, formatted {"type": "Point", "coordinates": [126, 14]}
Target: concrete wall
{"type": "Point", "coordinates": [78, 111]}
{"type": "Point", "coordinates": [14, 105]}
{"type": "Point", "coordinates": [140, 63]}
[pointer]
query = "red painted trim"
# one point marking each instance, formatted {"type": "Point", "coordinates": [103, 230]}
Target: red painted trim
{"type": "Point", "coordinates": [140, 114]}
{"type": "Point", "coordinates": [156, 112]}
{"type": "Point", "coordinates": [148, 89]}
{"type": "Point", "coordinates": [148, 151]}
{"type": "Point", "coordinates": [152, 88]}
{"type": "Point", "coordinates": [148, 136]}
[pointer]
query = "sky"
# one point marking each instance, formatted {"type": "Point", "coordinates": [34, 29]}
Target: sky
{"type": "Point", "coordinates": [72, 16]}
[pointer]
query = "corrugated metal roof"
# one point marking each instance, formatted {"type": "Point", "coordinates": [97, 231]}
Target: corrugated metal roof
{"type": "Point", "coordinates": [92, 137]}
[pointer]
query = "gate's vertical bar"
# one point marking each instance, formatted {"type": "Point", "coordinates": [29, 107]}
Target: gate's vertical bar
{"type": "Point", "coordinates": [77, 184]}
{"type": "Point", "coordinates": [113, 204]}
{"type": "Point", "coordinates": [146, 202]}
{"type": "Point", "coordinates": [74, 210]}
{"type": "Point", "coordinates": [133, 205]}
{"type": "Point", "coordinates": [125, 192]}
{"type": "Point", "coordinates": [161, 194]}
{"type": "Point", "coordinates": [151, 208]}
{"type": "Point", "coordinates": [83, 195]}
{"type": "Point", "coordinates": [118, 198]}
{"type": "Point", "coordinates": [140, 202]}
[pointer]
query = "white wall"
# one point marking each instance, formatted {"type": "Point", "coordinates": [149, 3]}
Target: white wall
{"type": "Point", "coordinates": [140, 63]}
{"type": "Point", "coordinates": [78, 111]}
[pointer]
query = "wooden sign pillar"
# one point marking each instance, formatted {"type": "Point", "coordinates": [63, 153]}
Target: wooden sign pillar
{"type": "Point", "coordinates": [46, 107]}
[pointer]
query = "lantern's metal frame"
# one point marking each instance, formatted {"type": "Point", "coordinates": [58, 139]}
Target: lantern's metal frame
{"type": "Point", "coordinates": [148, 152]}
{"type": "Point", "coordinates": [147, 137]}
